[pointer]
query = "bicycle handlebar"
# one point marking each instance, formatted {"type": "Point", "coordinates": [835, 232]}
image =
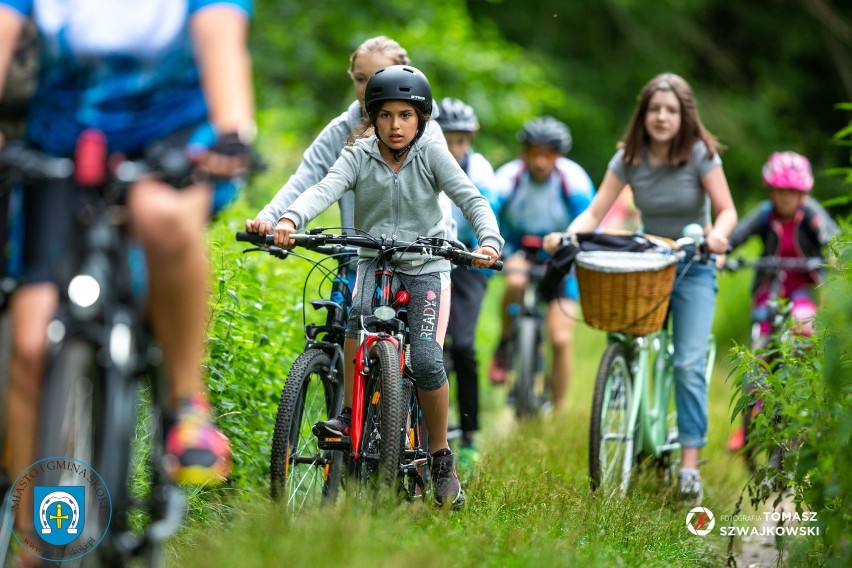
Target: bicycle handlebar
{"type": "Point", "coordinates": [35, 165]}
{"type": "Point", "coordinates": [427, 246]}
{"type": "Point", "coordinates": [254, 238]}
{"type": "Point", "coordinates": [160, 161]}
{"type": "Point", "coordinates": [693, 236]}
{"type": "Point", "coordinates": [266, 242]}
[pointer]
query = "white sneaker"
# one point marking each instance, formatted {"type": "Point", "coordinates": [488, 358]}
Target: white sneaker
{"type": "Point", "coordinates": [690, 486]}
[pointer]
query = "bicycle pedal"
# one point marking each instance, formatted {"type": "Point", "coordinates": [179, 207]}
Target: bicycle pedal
{"type": "Point", "coordinates": [335, 443]}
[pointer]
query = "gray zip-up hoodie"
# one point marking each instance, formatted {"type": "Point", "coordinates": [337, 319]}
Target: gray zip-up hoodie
{"type": "Point", "coordinates": [405, 204]}
{"type": "Point", "coordinates": [321, 155]}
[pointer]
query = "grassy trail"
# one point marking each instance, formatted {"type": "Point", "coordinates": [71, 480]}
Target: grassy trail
{"type": "Point", "coordinates": [528, 505]}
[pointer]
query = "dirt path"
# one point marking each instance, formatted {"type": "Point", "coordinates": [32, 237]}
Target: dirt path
{"type": "Point", "coordinates": [758, 552]}
{"type": "Point", "coordinates": [762, 551]}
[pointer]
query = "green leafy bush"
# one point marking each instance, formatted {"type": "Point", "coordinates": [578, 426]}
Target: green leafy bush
{"type": "Point", "coordinates": [253, 337]}
{"type": "Point", "coordinates": [807, 395]}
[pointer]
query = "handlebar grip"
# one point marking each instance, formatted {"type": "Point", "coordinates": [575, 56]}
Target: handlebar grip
{"type": "Point", "coordinates": [498, 265]}
{"type": "Point", "coordinates": [254, 238]}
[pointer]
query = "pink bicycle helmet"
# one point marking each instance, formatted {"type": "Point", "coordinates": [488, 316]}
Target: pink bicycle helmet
{"type": "Point", "coordinates": [788, 170]}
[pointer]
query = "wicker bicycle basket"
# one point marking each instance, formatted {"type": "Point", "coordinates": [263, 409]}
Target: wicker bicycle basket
{"type": "Point", "coordinates": [626, 292]}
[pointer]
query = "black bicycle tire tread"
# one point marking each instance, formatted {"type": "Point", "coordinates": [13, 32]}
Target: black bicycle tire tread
{"type": "Point", "coordinates": [5, 365]}
{"type": "Point", "coordinates": [527, 349]}
{"type": "Point", "coordinates": [312, 361]}
{"type": "Point", "coordinates": [392, 405]}
{"type": "Point", "coordinates": [55, 392]}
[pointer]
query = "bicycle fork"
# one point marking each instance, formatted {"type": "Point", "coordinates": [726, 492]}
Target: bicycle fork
{"type": "Point", "coordinates": [362, 373]}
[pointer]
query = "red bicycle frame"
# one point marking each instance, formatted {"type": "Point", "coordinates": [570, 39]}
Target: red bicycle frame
{"type": "Point", "coordinates": [381, 298]}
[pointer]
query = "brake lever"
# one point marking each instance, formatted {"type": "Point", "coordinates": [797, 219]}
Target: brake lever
{"type": "Point", "coordinates": [271, 249]}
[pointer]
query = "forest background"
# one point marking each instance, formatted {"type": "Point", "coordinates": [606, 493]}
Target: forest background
{"type": "Point", "coordinates": [767, 74]}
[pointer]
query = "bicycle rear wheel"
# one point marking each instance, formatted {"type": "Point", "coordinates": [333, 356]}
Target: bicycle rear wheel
{"type": "Point", "coordinates": [381, 447]}
{"type": "Point", "coordinates": [524, 364]}
{"type": "Point", "coordinates": [611, 436]}
{"type": "Point", "coordinates": [415, 466]}
{"type": "Point", "coordinates": [302, 475]}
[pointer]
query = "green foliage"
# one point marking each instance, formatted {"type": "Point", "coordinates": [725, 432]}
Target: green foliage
{"type": "Point", "coordinates": [253, 337]}
{"type": "Point", "coordinates": [828, 462]}
{"type": "Point", "coordinates": [766, 73]}
{"type": "Point", "coordinates": [807, 395]}
{"type": "Point", "coordinates": [301, 55]}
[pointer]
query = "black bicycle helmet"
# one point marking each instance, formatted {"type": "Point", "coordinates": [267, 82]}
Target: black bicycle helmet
{"type": "Point", "coordinates": [398, 83]}
{"type": "Point", "coordinates": [546, 131]}
{"type": "Point", "coordinates": [456, 116]}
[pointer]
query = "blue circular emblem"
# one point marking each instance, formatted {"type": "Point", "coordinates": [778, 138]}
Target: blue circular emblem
{"type": "Point", "coordinates": [59, 508]}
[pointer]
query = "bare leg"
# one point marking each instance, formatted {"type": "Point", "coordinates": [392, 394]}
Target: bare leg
{"type": "Point", "coordinates": [689, 458]}
{"type": "Point", "coordinates": [561, 315]}
{"type": "Point", "coordinates": [171, 226]}
{"type": "Point", "coordinates": [435, 405]}
{"type": "Point", "coordinates": [31, 307]}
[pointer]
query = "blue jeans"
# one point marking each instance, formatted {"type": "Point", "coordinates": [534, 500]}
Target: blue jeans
{"type": "Point", "coordinates": [693, 305]}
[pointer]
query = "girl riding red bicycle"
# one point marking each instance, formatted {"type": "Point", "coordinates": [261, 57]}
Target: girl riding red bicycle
{"type": "Point", "coordinates": [397, 175]}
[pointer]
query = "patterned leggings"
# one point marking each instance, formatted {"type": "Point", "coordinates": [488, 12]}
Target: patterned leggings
{"type": "Point", "coordinates": [428, 313]}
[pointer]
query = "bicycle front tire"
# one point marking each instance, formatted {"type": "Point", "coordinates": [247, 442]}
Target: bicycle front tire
{"type": "Point", "coordinates": [71, 424]}
{"type": "Point", "coordinates": [5, 365]}
{"type": "Point", "coordinates": [611, 437]}
{"type": "Point", "coordinates": [384, 419]}
{"type": "Point", "coordinates": [301, 474]}
{"type": "Point", "coordinates": [524, 363]}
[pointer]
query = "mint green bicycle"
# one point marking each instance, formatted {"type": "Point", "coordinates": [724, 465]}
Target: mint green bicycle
{"type": "Point", "coordinates": [633, 412]}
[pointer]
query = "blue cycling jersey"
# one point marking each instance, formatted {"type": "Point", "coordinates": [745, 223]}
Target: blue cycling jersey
{"type": "Point", "coordinates": [123, 66]}
{"type": "Point", "coordinates": [528, 207]}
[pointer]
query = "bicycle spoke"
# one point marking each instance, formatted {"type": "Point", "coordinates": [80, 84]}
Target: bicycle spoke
{"type": "Point", "coordinates": [298, 467]}
{"type": "Point", "coordinates": [612, 438]}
